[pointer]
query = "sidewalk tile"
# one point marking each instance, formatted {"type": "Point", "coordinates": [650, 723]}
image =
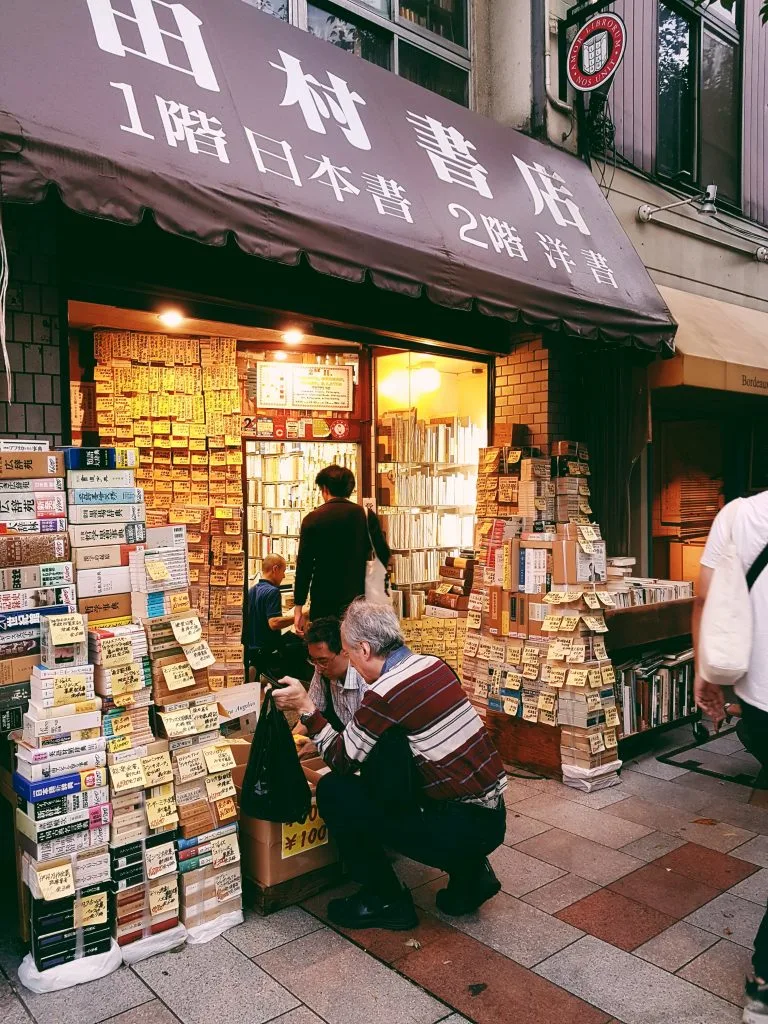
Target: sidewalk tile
{"type": "Point", "coordinates": [667, 891]}
{"type": "Point", "coordinates": [148, 1013]}
{"type": "Point", "coordinates": [519, 873]}
{"type": "Point", "coordinates": [215, 981]}
{"type": "Point", "coordinates": [413, 874]}
{"type": "Point", "coordinates": [491, 989]}
{"type": "Point", "coordinates": [582, 821]}
{"type": "Point", "coordinates": [11, 1007]}
{"type": "Point", "coordinates": [651, 847]}
{"type": "Point", "coordinates": [745, 816]}
{"type": "Point", "coordinates": [720, 836]}
{"type": "Point", "coordinates": [315, 966]}
{"type": "Point", "coordinates": [581, 856]}
{"type": "Point", "coordinates": [390, 946]}
{"type": "Point", "coordinates": [656, 769]}
{"type": "Point", "coordinates": [301, 1015]}
{"type": "Point", "coordinates": [560, 894]}
{"type": "Point", "coordinates": [86, 1004]}
{"type": "Point", "coordinates": [730, 918]}
{"type": "Point", "coordinates": [727, 744]}
{"type": "Point", "coordinates": [597, 800]}
{"type": "Point", "coordinates": [518, 790]}
{"type": "Point", "coordinates": [755, 851]}
{"type": "Point", "coordinates": [455, 1018]}
{"type": "Point", "coordinates": [754, 888]}
{"type": "Point", "coordinates": [721, 870]}
{"type": "Point", "coordinates": [716, 788]}
{"type": "Point", "coordinates": [507, 925]}
{"type": "Point", "coordinates": [724, 764]}
{"type": "Point", "coordinates": [520, 828]}
{"type": "Point", "coordinates": [676, 946]}
{"type": "Point", "coordinates": [722, 970]}
{"type": "Point", "coordinates": [633, 991]}
{"type": "Point", "coordinates": [258, 934]}
{"type": "Point", "coordinates": [616, 919]}
{"type": "Point", "coordinates": [659, 791]}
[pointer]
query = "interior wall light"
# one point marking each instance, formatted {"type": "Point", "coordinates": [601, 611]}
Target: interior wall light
{"type": "Point", "coordinates": [293, 336]}
{"type": "Point", "coordinates": [705, 201]}
{"type": "Point", "coordinates": [410, 385]}
{"type": "Point", "coordinates": [279, 355]}
{"type": "Point", "coordinates": [171, 318]}
{"type": "Point", "coordinates": [425, 379]}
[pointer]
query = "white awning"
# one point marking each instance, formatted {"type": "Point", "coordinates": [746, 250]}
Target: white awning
{"type": "Point", "coordinates": [719, 345]}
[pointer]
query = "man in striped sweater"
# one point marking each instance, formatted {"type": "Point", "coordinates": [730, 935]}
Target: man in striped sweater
{"type": "Point", "coordinates": [456, 816]}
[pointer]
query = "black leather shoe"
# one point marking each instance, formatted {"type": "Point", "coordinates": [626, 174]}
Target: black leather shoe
{"type": "Point", "coordinates": [465, 896]}
{"type": "Point", "coordinates": [366, 910]}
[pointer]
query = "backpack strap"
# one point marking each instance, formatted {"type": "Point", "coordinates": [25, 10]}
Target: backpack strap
{"type": "Point", "coordinates": [757, 567]}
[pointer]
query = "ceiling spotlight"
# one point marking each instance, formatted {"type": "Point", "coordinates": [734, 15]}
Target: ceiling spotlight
{"type": "Point", "coordinates": [293, 336]}
{"type": "Point", "coordinates": [171, 318]}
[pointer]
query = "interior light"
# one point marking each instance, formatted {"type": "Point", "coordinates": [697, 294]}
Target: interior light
{"type": "Point", "coordinates": [171, 318]}
{"type": "Point", "coordinates": [280, 356]}
{"type": "Point", "coordinates": [409, 385]}
{"type": "Point", "coordinates": [293, 336]}
{"type": "Point", "coordinates": [425, 380]}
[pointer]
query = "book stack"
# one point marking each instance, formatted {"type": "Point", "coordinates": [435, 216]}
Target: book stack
{"type": "Point", "coordinates": [450, 598]}
{"type": "Point", "coordinates": [442, 637]}
{"type": "Point", "coordinates": [36, 573]}
{"type": "Point", "coordinates": [570, 476]}
{"type": "Point", "coordinates": [107, 517]}
{"type": "Point", "coordinates": [64, 811]}
{"type": "Point", "coordinates": [227, 583]}
{"type": "Point", "coordinates": [160, 574]}
{"type": "Point", "coordinates": [655, 688]}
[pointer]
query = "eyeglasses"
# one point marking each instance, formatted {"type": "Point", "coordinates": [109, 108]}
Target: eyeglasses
{"type": "Point", "coordinates": [321, 662]}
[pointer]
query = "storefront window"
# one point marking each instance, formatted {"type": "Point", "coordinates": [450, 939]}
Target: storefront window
{"type": "Point", "coordinates": [720, 136]}
{"type": "Point", "coordinates": [675, 143]}
{"type": "Point", "coordinates": [277, 8]}
{"type": "Point", "coordinates": [433, 73]}
{"type": "Point", "coordinates": [349, 34]}
{"type": "Point", "coordinates": [430, 424]}
{"type": "Point", "coordinates": [447, 18]}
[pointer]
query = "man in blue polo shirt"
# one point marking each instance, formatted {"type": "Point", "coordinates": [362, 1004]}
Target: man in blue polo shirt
{"type": "Point", "coordinates": [265, 619]}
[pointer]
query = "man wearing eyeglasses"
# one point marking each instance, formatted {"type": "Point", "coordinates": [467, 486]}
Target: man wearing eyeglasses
{"type": "Point", "coordinates": [337, 688]}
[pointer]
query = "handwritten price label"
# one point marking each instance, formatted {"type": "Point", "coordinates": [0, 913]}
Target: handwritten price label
{"type": "Point", "coordinates": [91, 910]}
{"type": "Point", "coordinates": [160, 860]}
{"type": "Point", "coordinates": [218, 787]}
{"type": "Point", "coordinates": [178, 676]}
{"type": "Point", "coordinates": [161, 811]}
{"type": "Point", "coordinates": [66, 629]}
{"type": "Point", "coordinates": [218, 758]}
{"type": "Point", "coordinates": [199, 654]}
{"type": "Point", "coordinates": [70, 688]}
{"type": "Point", "coordinates": [298, 837]}
{"type": "Point", "coordinates": [157, 769]}
{"type": "Point", "coordinates": [228, 884]}
{"type": "Point", "coordinates": [187, 630]}
{"type": "Point", "coordinates": [178, 723]}
{"type": "Point", "coordinates": [225, 851]}
{"type": "Point", "coordinates": [164, 898]}
{"type": "Point", "coordinates": [157, 571]}
{"type": "Point", "coordinates": [116, 651]}
{"type": "Point", "coordinates": [56, 883]}
{"type": "Point", "coordinates": [226, 809]}
{"type": "Point", "coordinates": [191, 764]}
{"type": "Point", "coordinates": [179, 600]}
{"type": "Point", "coordinates": [126, 775]}
{"type": "Point", "coordinates": [127, 679]}
{"type": "Point", "coordinates": [205, 717]}
{"type": "Point", "coordinates": [611, 716]}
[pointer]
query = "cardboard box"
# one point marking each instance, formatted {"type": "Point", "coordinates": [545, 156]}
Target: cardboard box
{"type": "Point", "coordinates": [18, 465]}
{"type": "Point", "coordinates": [572, 565]}
{"type": "Point", "coordinates": [17, 670]}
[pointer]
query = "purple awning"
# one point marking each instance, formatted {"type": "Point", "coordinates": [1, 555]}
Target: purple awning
{"type": "Point", "coordinates": [223, 120]}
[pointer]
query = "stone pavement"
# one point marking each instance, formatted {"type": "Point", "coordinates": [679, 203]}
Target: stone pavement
{"type": "Point", "coordinates": [638, 904]}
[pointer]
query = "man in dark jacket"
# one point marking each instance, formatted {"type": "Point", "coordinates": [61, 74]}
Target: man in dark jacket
{"type": "Point", "coordinates": [334, 545]}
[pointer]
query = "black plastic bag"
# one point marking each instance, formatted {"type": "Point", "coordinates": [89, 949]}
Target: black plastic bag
{"type": "Point", "coordinates": [274, 787]}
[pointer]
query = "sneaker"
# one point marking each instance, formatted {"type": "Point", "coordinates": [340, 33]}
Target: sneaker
{"type": "Point", "coordinates": [366, 910]}
{"type": "Point", "coordinates": [466, 897]}
{"type": "Point", "coordinates": [756, 1009]}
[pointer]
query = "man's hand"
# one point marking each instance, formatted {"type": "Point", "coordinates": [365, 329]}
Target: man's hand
{"type": "Point", "coordinates": [299, 620]}
{"type": "Point", "coordinates": [710, 698]}
{"type": "Point", "coordinates": [291, 696]}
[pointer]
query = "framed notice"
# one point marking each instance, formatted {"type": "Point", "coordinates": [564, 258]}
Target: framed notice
{"type": "Point", "coordinates": [302, 386]}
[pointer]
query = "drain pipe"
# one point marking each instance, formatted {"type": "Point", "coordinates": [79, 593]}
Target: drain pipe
{"type": "Point", "coordinates": [539, 47]}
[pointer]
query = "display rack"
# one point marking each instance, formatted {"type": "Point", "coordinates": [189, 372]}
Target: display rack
{"type": "Point", "coordinates": [280, 480]}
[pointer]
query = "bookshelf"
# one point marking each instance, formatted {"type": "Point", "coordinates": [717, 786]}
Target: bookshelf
{"type": "Point", "coordinates": [280, 490]}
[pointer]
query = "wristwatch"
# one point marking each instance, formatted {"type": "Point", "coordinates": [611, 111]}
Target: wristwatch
{"type": "Point", "coordinates": [306, 717]}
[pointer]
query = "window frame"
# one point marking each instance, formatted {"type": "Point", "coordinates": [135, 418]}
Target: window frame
{"type": "Point", "coordinates": [699, 19]}
{"type": "Point", "coordinates": [400, 29]}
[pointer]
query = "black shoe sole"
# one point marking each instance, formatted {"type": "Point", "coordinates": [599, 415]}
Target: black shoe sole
{"type": "Point", "coordinates": [467, 908]}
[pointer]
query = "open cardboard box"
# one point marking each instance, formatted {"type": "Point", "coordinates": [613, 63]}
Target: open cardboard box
{"type": "Point", "coordinates": [268, 849]}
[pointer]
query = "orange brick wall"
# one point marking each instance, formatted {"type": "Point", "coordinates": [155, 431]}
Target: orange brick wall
{"type": "Point", "coordinates": [532, 387]}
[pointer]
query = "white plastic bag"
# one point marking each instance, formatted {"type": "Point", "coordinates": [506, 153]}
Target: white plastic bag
{"type": "Point", "coordinates": [163, 942]}
{"type": "Point", "coordinates": [77, 972]}
{"type": "Point", "coordinates": [725, 633]}
{"type": "Point", "coordinates": [590, 780]}
{"type": "Point", "coordinates": [375, 573]}
{"type": "Point", "coordinates": [206, 932]}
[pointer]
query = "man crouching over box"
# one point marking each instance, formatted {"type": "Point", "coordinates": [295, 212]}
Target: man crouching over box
{"type": "Point", "coordinates": [430, 782]}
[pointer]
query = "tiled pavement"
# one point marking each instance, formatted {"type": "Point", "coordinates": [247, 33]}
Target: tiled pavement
{"type": "Point", "coordinates": [637, 905]}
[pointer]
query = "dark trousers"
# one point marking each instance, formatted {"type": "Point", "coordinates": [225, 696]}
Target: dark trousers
{"type": "Point", "coordinates": [753, 732]}
{"type": "Point", "coordinates": [452, 836]}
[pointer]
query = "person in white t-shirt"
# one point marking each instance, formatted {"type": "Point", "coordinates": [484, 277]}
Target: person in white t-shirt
{"type": "Point", "coordinates": [747, 524]}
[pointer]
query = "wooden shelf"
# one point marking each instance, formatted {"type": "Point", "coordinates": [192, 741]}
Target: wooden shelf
{"type": "Point", "coordinates": [647, 624]}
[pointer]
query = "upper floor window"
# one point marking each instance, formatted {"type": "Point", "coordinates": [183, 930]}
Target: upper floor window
{"type": "Point", "coordinates": [425, 41]}
{"type": "Point", "coordinates": [699, 110]}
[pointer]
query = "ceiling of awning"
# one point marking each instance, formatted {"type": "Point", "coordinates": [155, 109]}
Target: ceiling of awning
{"type": "Point", "coordinates": [719, 345]}
{"type": "Point", "coordinates": [224, 121]}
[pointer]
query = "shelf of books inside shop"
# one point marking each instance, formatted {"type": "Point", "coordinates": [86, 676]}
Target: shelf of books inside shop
{"type": "Point", "coordinates": [281, 490]}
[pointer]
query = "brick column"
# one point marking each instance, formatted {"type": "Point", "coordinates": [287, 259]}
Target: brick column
{"type": "Point", "coordinates": [532, 388]}
{"type": "Point", "coordinates": [32, 326]}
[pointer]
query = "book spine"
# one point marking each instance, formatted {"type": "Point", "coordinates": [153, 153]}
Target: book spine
{"type": "Point", "coordinates": [53, 574]}
{"type": "Point", "coordinates": [32, 527]}
{"type": "Point", "coordinates": [30, 618]}
{"type": "Point", "coordinates": [54, 483]}
{"type": "Point", "coordinates": [68, 804]}
{"type": "Point", "coordinates": [82, 515]}
{"type": "Point", "coordinates": [36, 597]}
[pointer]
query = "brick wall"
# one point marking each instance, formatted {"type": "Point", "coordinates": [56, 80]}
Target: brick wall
{"type": "Point", "coordinates": [32, 326]}
{"type": "Point", "coordinates": [532, 388]}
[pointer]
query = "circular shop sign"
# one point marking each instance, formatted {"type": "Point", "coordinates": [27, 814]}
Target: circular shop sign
{"type": "Point", "coordinates": [596, 52]}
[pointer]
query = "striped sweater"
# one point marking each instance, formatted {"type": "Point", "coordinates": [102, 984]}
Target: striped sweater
{"type": "Point", "coordinates": [453, 752]}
